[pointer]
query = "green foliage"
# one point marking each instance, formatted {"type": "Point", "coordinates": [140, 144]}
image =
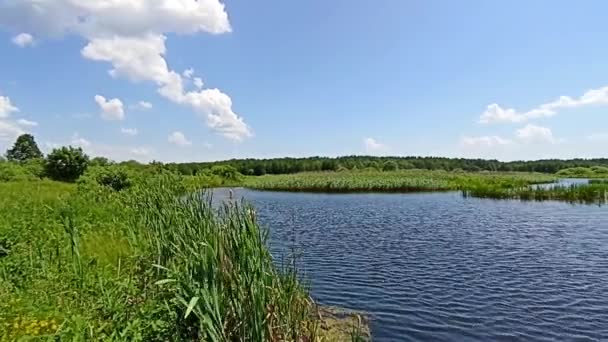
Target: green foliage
{"type": "Point", "coordinates": [259, 167]}
{"type": "Point", "coordinates": [100, 161]}
{"type": "Point", "coordinates": [390, 166]}
{"type": "Point", "coordinates": [585, 172]}
{"type": "Point", "coordinates": [25, 148]}
{"type": "Point", "coordinates": [579, 193]}
{"type": "Point", "coordinates": [10, 171]}
{"type": "Point", "coordinates": [148, 263]}
{"type": "Point", "coordinates": [66, 164]}
{"type": "Point", "coordinates": [227, 172]}
{"type": "Point", "coordinates": [371, 180]}
{"type": "Point", "coordinates": [115, 177]}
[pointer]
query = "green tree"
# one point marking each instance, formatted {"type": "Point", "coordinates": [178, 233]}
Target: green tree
{"type": "Point", "coordinates": [100, 161]}
{"type": "Point", "coordinates": [25, 148]}
{"type": "Point", "coordinates": [66, 163]}
{"type": "Point", "coordinates": [390, 166]}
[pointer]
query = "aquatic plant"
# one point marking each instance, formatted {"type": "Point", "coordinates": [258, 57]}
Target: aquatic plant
{"type": "Point", "coordinates": [395, 181]}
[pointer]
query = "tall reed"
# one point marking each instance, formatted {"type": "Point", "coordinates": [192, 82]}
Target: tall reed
{"type": "Point", "coordinates": [214, 263]}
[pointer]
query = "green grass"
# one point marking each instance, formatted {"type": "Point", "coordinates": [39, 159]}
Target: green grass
{"type": "Point", "coordinates": [391, 181]}
{"type": "Point", "coordinates": [590, 194]}
{"type": "Point", "coordinates": [584, 172]}
{"type": "Point", "coordinates": [154, 262]}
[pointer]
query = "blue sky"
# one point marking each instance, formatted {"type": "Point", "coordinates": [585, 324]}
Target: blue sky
{"type": "Point", "coordinates": [507, 80]}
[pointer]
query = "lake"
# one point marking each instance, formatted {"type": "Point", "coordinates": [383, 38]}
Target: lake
{"type": "Point", "coordinates": [440, 267]}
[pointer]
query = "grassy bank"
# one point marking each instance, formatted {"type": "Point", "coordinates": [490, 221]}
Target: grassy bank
{"type": "Point", "coordinates": [152, 262]}
{"type": "Point", "coordinates": [584, 172]}
{"type": "Point", "coordinates": [392, 181]}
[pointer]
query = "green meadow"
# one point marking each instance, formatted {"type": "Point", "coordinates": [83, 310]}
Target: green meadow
{"type": "Point", "coordinates": [91, 250]}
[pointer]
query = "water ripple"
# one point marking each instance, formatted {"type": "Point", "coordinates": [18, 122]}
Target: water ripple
{"type": "Point", "coordinates": [444, 268]}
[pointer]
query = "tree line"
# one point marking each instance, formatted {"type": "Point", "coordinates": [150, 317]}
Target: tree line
{"type": "Point", "coordinates": [68, 163]}
{"type": "Point", "coordinates": [259, 167]}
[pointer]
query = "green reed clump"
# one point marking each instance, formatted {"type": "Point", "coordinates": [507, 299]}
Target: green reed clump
{"type": "Point", "coordinates": [391, 181]}
{"type": "Point", "coordinates": [215, 265]}
{"type": "Point", "coordinates": [152, 262]}
{"type": "Point", "coordinates": [576, 193]}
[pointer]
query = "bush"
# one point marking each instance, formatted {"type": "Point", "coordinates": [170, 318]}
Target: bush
{"type": "Point", "coordinates": [227, 172]}
{"type": "Point", "coordinates": [66, 164]}
{"type": "Point", "coordinates": [10, 172]}
{"type": "Point", "coordinates": [114, 176]}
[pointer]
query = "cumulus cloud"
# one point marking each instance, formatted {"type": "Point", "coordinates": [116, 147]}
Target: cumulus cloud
{"type": "Point", "coordinates": [485, 141]}
{"type": "Point", "coordinates": [372, 145]}
{"type": "Point", "coordinates": [198, 83]}
{"type": "Point", "coordinates": [179, 139]}
{"type": "Point", "coordinates": [24, 122]}
{"type": "Point", "coordinates": [9, 131]}
{"type": "Point", "coordinates": [129, 131]}
{"type": "Point", "coordinates": [130, 35]}
{"type": "Point", "coordinates": [142, 59]}
{"type": "Point", "coordinates": [523, 138]}
{"type": "Point", "coordinates": [79, 141]}
{"type": "Point", "coordinates": [110, 109]}
{"type": "Point", "coordinates": [494, 113]}
{"type": "Point", "coordinates": [115, 17]}
{"type": "Point", "coordinates": [23, 40]}
{"type": "Point", "coordinates": [188, 73]}
{"type": "Point", "coordinates": [535, 134]}
{"type": "Point", "coordinates": [6, 107]}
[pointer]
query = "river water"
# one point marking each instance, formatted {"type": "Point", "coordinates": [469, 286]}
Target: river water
{"type": "Point", "coordinates": [440, 267]}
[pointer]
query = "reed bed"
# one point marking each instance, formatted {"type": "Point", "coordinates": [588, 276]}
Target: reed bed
{"type": "Point", "coordinates": [593, 193]}
{"type": "Point", "coordinates": [391, 181]}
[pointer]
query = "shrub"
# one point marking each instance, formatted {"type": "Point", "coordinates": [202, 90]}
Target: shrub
{"type": "Point", "coordinates": [14, 172]}
{"type": "Point", "coordinates": [114, 176]}
{"type": "Point", "coordinates": [66, 164]}
{"type": "Point", "coordinates": [227, 172]}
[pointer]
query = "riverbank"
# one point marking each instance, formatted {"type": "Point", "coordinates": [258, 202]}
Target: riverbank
{"type": "Point", "coordinates": [146, 263]}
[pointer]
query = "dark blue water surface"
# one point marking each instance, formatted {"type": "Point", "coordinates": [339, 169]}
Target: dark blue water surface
{"type": "Point", "coordinates": [440, 267]}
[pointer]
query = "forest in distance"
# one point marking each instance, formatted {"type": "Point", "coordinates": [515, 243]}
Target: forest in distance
{"type": "Point", "coordinates": [258, 167]}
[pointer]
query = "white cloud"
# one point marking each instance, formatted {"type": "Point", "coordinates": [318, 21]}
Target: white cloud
{"type": "Point", "coordinates": [535, 134]}
{"type": "Point", "coordinates": [23, 40]}
{"type": "Point", "coordinates": [130, 35]}
{"type": "Point", "coordinates": [9, 131]}
{"type": "Point", "coordinates": [188, 73]}
{"type": "Point", "coordinates": [496, 114]}
{"type": "Point", "coordinates": [485, 141]}
{"type": "Point", "coordinates": [115, 17]}
{"type": "Point", "coordinates": [129, 131]}
{"type": "Point", "coordinates": [142, 58]}
{"type": "Point", "coordinates": [198, 83]}
{"type": "Point", "coordinates": [179, 139]}
{"type": "Point", "coordinates": [371, 145]}
{"type": "Point", "coordinates": [143, 105]}
{"type": "Point", "coordinates": [110, 109]}
{"type": "Point", "coordinates": [24, 122]}
{"type": "Point", "coordinates": [140, 151]}
{"type": "Point", "coordinates": [6, 107]}
{"type": "Point", "coordinates": [79, 141]}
